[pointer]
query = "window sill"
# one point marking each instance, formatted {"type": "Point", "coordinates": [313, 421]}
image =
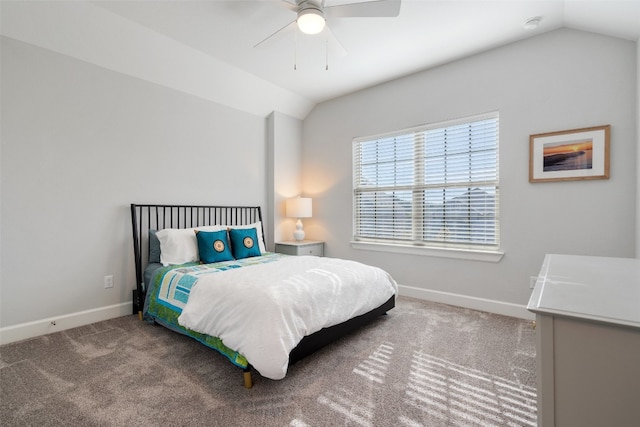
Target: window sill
{"type": "Point", "coordinates": [455, 253]}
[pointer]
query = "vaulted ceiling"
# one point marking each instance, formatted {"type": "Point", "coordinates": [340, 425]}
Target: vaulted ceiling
{"type": "Point", "coordinates": [426, 33]}
{"type": "Point", "coordinates": [209, 41]}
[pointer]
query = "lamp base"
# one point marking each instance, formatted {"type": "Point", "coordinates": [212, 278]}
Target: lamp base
{"type": "Point", "coordinates": [298, 235]}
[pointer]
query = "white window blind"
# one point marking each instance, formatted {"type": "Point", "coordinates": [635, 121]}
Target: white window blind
{"type": "Point", "coordinates": [434, 185]}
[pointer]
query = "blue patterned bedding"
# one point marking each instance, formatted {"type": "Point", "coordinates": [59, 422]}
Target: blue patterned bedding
{"type": "Point", "coordinates": [168, 292]}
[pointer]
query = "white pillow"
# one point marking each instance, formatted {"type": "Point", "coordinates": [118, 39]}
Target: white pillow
{"type": "Point", "coordinates": [180, 245]}
{"type": "Point", "coordinates": [177, 246]}
{"type": "Point", "coordinates": [211, 228]}
{"type": "Point", "coordinates": [258, 227]}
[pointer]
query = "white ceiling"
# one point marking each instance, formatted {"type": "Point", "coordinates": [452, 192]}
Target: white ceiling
{"type": "Point", "coordinates": [206, 47]}
{"type": "Point", "coordinates": [425, 34]}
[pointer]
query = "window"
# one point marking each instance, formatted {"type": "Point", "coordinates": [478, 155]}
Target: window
{"type": "Point", "coordinates": [431, 186]}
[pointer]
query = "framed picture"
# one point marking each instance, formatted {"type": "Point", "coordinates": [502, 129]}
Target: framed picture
{"type": "Point", "coordinates": [575, 154]}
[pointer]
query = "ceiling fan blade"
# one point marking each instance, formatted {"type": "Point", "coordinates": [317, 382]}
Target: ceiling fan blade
{"type": "Point", "coordinates": [369, 9]}
{"type": "Point", "coordinates": [290, 4]}
{"type": "Point", "coordinates": [265, 42]}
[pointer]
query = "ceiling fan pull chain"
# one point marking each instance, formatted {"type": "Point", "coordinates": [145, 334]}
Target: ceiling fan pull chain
{"type": "Point", "coordinates": [295, 51]}
{"type": "Point", "coordinates": [326, 52]}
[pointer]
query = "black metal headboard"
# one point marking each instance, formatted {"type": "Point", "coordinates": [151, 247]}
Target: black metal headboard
{"type": "Point", "coordinates": [158, 217]}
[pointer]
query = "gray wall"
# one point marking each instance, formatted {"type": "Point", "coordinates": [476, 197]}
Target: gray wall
{"type": "Point", "coordinates": [284, 172]}
{"type": "Point", "coordinates": [556, 81]}
{"type": "Point", "coordinates": [79, 144]}
{"type": "Point", "coordinates": [638, 149]}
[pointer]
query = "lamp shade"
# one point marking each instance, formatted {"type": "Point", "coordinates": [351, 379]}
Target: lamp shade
{"type": "Point", "coordinates": [300, 207]}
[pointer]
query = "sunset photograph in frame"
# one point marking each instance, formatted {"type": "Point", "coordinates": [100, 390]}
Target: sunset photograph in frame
{"type": "Point", "coordinates": [576, 154]}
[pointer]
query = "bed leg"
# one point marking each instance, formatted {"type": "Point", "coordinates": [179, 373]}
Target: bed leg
{"type": "Point", "coordinates": [246, 375]}
{"type": "Point", "coordinates": [140, 315]}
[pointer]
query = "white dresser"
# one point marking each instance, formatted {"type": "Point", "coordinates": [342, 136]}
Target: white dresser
{"type": "Point", "coordinates": [588, 341]}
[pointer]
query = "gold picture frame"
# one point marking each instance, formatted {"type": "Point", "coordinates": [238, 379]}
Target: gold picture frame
{"type": "Point", "coordinates": [570, 155]}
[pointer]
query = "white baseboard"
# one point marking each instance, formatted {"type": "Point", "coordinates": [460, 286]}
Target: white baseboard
{"type": "Point", "coordinates": [482, 304]}
{"type": "Point", "coordinates": [60, 323]}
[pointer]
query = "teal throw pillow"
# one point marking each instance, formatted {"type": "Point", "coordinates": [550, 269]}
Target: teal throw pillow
{"type": "Point", "coordinates": [213, 246]}
{"type": "Point", "coordinates": [244, 242]}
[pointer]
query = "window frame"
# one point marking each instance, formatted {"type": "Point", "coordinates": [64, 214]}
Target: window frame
{"type": "Point", "coordinates": [465, 250]}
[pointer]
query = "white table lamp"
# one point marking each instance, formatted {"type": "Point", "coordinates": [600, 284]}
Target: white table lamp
{"type": "Point", "coordinates": [300, 207]}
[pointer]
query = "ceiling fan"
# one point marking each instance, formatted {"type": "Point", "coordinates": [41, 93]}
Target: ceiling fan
{"type": "Point", "coordinates": [312, 15]}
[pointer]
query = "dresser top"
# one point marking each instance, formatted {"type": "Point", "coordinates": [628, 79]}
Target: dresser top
{"type": "Point", "coordinates": [595, 288]}
{"type": "Point", "coordinates": [298, 243]}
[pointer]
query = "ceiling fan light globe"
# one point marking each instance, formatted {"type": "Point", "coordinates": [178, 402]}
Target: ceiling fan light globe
{"type": "Point", "coordinates": [311, 21]}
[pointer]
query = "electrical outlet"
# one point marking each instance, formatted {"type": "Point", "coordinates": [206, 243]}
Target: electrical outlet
{"type": "Point", "coordinates": [532, 281]}
{"type": "Point", "coordinates": [108, 282]}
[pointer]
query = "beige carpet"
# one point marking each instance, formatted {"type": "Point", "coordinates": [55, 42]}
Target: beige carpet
{"type": "Point", "coordinates": [424, 364]}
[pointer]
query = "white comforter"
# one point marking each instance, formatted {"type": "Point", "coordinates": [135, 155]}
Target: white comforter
{"type": "Point", "coordinates": [263, 311]}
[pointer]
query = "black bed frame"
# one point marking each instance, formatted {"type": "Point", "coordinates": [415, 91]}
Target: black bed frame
{"type": "Point", "coordinates": [158, 217]}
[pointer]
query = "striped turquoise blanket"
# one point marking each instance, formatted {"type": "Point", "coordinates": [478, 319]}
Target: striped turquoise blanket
{"type": "Point", "coordinates": [169, 291]}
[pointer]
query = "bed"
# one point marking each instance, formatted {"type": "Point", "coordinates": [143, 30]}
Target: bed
{"type": "Point", "coordinates": [296, 305]}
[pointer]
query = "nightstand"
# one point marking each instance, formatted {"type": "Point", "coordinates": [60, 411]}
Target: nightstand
{"type": "Point", "coordinates": [305, 247]}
